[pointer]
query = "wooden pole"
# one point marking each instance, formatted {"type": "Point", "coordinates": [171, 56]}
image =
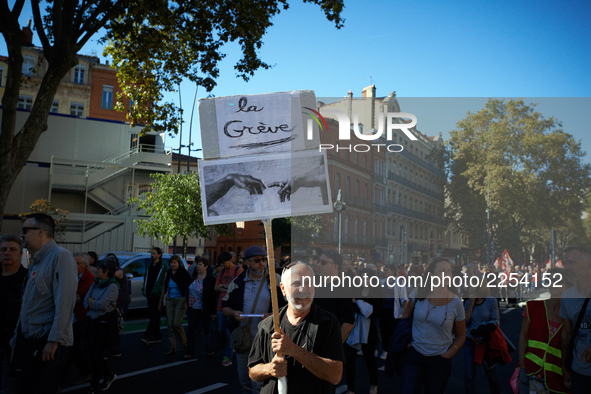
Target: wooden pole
{"type": "Point", "coordinates": [272, 280]}
{"type": "Point", "coordinates": [282, 382]}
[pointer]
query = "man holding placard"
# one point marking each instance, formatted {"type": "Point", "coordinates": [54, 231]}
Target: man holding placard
{"type": "Point", "coordinates": [309, 341]}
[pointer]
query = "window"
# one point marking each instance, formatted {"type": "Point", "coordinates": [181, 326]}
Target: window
{"type": "Point", "coordinates": [347, 185]}
{"type": "Point", "coordinates": [24, 102]}
{"type": "Point", "coordinates": [107, 101]}
{"type": "Point", "coordinates": [28, 65]}
{"type": "Point", "coordinates": [356, 187]}
{"type": "Point", "coordinates": [1, 76]}
{"type": "Point", "coordinates": [79, 72]}
{"type": "Point", "coordinates": [337, 182]}
{"type": "Point", "coordinates": [77, 109]}
{"type": "Point", "coordinates": [54, 106]}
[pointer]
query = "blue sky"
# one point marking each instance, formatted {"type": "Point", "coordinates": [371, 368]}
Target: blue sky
{"type": "Point", "coordinates": [530, 49]}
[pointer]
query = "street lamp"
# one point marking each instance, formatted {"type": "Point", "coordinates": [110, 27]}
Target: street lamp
{"type": "Point", "coordinates": [340, 206]}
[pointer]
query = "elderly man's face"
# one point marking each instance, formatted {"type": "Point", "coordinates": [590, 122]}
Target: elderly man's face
{"type": "Point", "coordinates": [298, 292]}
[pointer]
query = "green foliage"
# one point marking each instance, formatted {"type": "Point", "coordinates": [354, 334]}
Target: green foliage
{"type": "Point", "coordinates": [156, 44]}
{"type": "Point", "coordinates": [173, 208]}
{"type": "Point", "coordinates": [532, 170]}
{"type": "Point", "coordinates": [296, 231]}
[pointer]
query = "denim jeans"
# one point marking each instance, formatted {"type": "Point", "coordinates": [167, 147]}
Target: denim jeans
{"type": "Point", "coordinates": [470, 371]}
{"type": "Point", "coordinates": [248, 386]}
{"type": "Point", "coordinates": [175, 312]}
{"type": "Point", "coordinates": [432, 372]}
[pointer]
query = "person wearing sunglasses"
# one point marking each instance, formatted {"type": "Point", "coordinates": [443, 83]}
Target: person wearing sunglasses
{"type": "Point", "coordinates": [240, 300]}
{"type": "Point", "coordinates": [44, 334]}
{"type": "Point", "coordinates": [309, 341]}
{"type": "Point", "coordinates": [329, 265]}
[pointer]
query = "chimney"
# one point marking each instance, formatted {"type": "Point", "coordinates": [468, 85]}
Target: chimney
{"type": "Point", "coordinates": [370, 91]}
{"type": "Point", "coordinates": [350, 104]}
{"type": "Point", "coordinates": [27, 35]}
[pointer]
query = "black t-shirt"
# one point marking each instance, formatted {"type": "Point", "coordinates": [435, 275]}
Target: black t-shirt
{"type": "Point", "coordinates": [325, 343]}
{"type": "Point", "coordinates": [343, 309]}
{"type": "Point", "coordinates": [10, 303]}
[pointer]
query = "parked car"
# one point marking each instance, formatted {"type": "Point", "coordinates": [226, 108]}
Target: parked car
{"type": "Point", "coordinates": [135, 266]}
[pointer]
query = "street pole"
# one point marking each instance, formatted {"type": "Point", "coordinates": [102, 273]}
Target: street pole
{"type": "Point", "coordinates": [340, 206]}
{"type": "Point", "coordinates": [489, 250]}
{"type": "Point", "coordinates": [552, 235]}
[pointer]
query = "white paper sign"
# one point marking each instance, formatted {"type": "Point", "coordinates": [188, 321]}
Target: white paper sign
{"type": "Point", "coordinates": [259, 123]}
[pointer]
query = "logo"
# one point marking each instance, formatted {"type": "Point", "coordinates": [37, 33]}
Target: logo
{"type": "Point", "coordinates": [345, 127]}
{"type": "Point", "coordinates": [317, 121]}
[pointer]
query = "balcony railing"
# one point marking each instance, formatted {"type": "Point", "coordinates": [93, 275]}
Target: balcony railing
{"type": "Point", "coordinates": [398, 179]}
{"type": "Point", "coordinates": [397, 209]}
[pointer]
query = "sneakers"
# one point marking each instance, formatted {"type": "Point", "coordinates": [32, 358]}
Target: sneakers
{"type": "Point", "coordinates": [188, 356]}
{"type": "Point", "coordinates": [154, 340]}
{"type": "Point", "coordinates": [107, 382]}
{"type": "Point", "coordinates": [226, 361]}
{"type": "Point", "coordinates": [170, 352]}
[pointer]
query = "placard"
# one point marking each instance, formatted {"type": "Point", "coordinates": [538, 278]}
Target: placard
{"type": "Point", "coordinates": [264, 186]}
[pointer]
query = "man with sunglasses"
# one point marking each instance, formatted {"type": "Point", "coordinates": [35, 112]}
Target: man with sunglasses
{"type": "Point", "coordinates": [44, 330]}
{"type": "Point", "coordinates": [240, 300]}
{"type": "Point", "coordinates": [341, 305]}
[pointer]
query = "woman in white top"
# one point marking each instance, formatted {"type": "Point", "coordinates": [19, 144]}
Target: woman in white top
{"type": "Point", "coordinates": [438, 332]}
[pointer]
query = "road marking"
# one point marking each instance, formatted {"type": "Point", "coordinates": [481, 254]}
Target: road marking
{"type": "Point", "coordinates": [208, 388]}
{"type": "Point", "coordinates": [341, 389]}
{"type": "Point", "coordinates": [130, 374]}
{"type": "Point", "coordinates": [507, 310]}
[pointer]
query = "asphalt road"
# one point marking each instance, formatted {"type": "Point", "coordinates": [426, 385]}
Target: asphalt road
{"type": "Point", "coordinates": [145, 369]}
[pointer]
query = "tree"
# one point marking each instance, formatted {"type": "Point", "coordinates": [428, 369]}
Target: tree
{"type": "Point", "coordinates": [156, 43]}
{"type": "Point", "coordinates": [297, 231]}
{"type": "Point", "coordinates": [529, 169]}
{"type": "Point", "coordinates": [173, 207]}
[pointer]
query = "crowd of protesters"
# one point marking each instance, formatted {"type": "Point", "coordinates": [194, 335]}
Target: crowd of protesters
{"type": "Point", "coordinates": [65, 310]}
